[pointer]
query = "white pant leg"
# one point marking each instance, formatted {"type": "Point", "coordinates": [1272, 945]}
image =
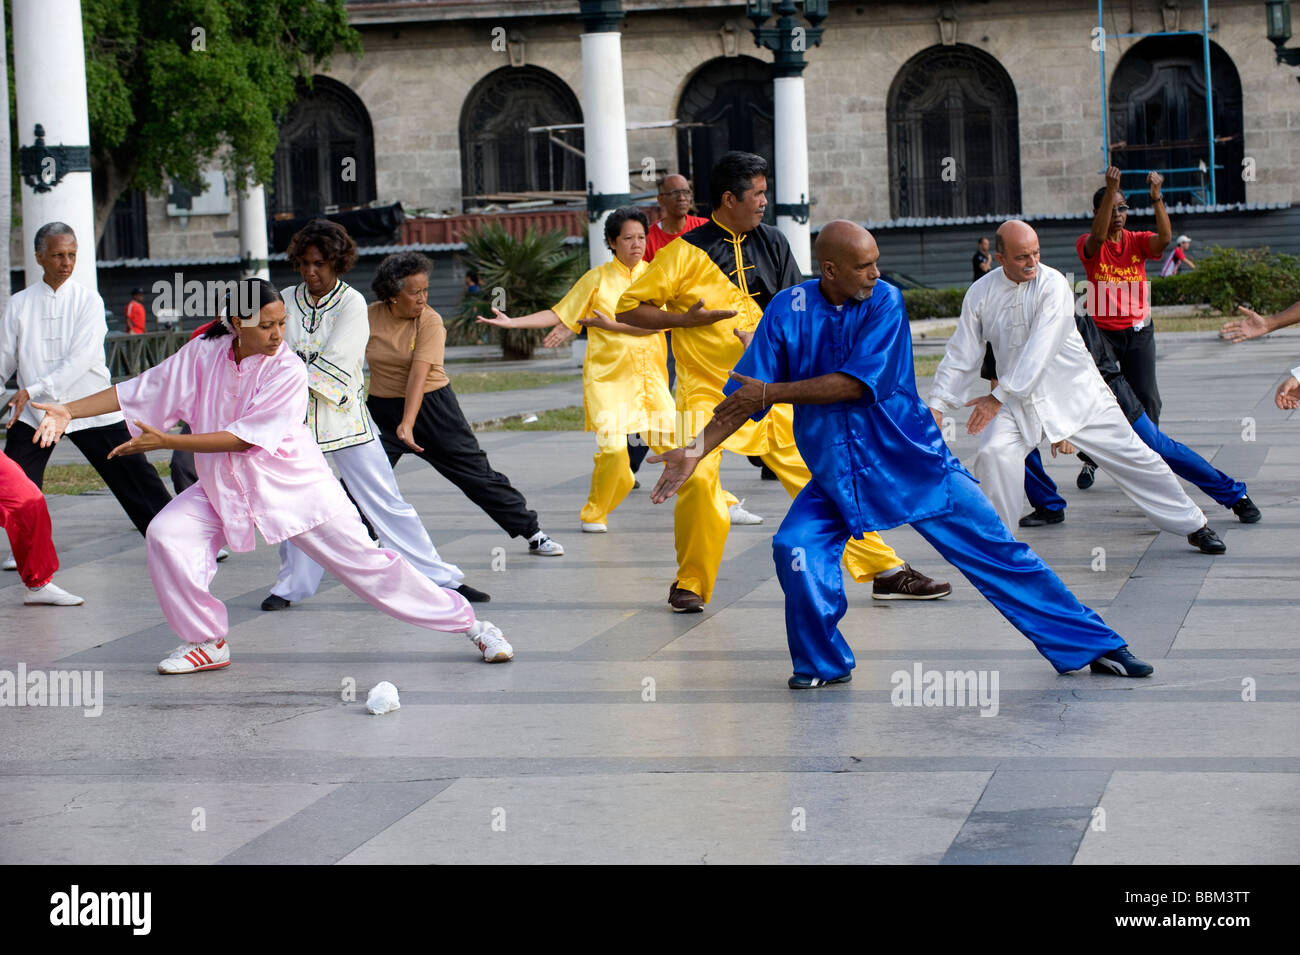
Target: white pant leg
{"type": "Point", "coordinates": [300, 576]}
{"type": "Point", "coordinates": [373, 485]}
{"type": "Point", "coordinates": [1142, 474]}
{"type": "Point", "coordinates": [1000, 467]}
{"type": "Point", "coordinates": [182, 544]}
{"type": "Point", "coordinates": [382, 578]}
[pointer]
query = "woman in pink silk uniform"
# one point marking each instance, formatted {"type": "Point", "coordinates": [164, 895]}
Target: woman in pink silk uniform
{"type": "Point", "coordinates": [245, 395]}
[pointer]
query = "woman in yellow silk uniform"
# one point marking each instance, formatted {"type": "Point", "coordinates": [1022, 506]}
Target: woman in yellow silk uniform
{"type": "Point", "coordinates": [625, 372]}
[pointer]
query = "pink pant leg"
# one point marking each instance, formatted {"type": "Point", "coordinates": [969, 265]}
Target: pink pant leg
{"type": "Point", "coordinates": [381, 578]}
{"type": "Point", "coordinates": [26, 519]}
{"type": "Point", "coordinates": [182, 544]}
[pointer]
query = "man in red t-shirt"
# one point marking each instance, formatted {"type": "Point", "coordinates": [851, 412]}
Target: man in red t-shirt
{"type": "Point", "coordinates": [676, 199]}
{"type": "Point", "coordinates": [135, 312]}
{"type": "Point", "coordinates": [1117, 297]}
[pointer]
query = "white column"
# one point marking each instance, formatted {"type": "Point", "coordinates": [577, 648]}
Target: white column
{"type": "Point", "coordinates": [50, 80]}
{"type": "Point", "coordinates": [252, 232]}
{"type": "Point", "coordinates": [792, 163]}
{"type": "Point", "coordinates": [604, 127]}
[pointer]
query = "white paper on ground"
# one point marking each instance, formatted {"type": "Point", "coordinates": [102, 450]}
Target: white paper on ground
{"type": "Point", "coordinates": [382, 699]}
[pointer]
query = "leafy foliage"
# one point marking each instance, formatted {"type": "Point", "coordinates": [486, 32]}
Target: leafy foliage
{"type": "Point", "coordinates": [1225, 278]}
{"type": "Point", "coordinates": [173, 84]}
{"type": "Point", "coordinates": [933, 302]}
{"type": "Point", "coordinates": [532, 274]}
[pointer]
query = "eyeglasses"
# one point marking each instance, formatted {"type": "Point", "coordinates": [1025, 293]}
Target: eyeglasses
{"type": "Point", "coordinates": [1121, 208]}
{"type": "Point", "coordinates": [677, 194]}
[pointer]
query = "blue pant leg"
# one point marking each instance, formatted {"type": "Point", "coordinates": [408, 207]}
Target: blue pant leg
{"type": "Point", "coordinates": [807, 549]}
{"type": "Point", "coordinates": [1039, 488]}
{"type": "Point", "coordinates": [1015, 580]}
{"type": "Point", "coordinates": [1189, 465]}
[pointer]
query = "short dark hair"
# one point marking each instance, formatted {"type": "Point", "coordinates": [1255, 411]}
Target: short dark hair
{"type": "Point", "coordinates": [51, 229]}
{"type": "Point", "coordinates": [1096, 198]}
{"type": "Point", "coordinates": [395, 270]}
{"type": "Point", "coordinates": [615, 221]}
{"type": "Point", "coordinates": [734, 173]}
{"type": "Point", "coordinates": [335, 245]}
{"type": "Point", "coordinates": [247, 299]}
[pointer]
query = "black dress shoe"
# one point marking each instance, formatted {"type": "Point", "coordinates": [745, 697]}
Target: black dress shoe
{"type": "Point", "coordinates": [275, 602]}
{"type": "Point", "coordinates": [1207, 542]}
{"type": "Point", "coordinates": [1246, 510]}
{"type": "Point", "coordinates": [472, 595]}
{"type": "Point", "coordinates": [1121, 663]}
{"type": "Point", "coordinates": [1087, 475]}
{"type": "Point", "coordinates": [1041, 515]}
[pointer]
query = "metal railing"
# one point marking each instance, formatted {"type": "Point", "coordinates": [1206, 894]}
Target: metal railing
{"type": "Point", "coordinates": [127, 355]}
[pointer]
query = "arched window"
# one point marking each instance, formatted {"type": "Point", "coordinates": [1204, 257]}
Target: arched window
{"type": "Point", "coordinates": [1158, 121]}
{"type": "Point", "coordinates": [732, 98]}
{"type": "Point", "coordinates": [499, 155]}
{"type": "Point", "coordinates": [954, 136]}
{"type": "Point", "coordinates": [326, 156]}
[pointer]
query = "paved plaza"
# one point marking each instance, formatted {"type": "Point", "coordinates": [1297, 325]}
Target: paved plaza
{"type": "Point", "coordinates": [624, 733]}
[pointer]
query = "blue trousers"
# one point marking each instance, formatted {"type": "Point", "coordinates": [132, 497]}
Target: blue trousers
{"type": "Point", "coordinates": [810, 542]}
{"type": "Point", "coordinates": [1182, 460]}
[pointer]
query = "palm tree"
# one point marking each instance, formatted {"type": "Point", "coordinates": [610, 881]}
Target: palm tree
{"type": "Point", "coordinates": [518, 276]}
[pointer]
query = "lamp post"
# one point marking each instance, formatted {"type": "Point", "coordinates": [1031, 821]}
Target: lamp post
{"type": "Point", "coordinates": [1278, 13]}
{"type": "Point", "coordinates": [604, 119]}
{"type": "Point", "coordinates": [788, 39]}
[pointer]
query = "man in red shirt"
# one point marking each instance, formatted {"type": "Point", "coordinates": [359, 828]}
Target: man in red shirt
{"type": "Point", "coordinates": [1118, 292]}
{"type": "Point", "coordinates": [676, 199]}
{"type": "Point", "coordinates": [135, 312]}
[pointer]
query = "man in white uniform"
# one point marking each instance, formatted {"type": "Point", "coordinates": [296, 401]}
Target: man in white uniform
{"type": "Point", "coordinates": [52, 335]}
{"type": "Point", "coordinates": [1049, 386]}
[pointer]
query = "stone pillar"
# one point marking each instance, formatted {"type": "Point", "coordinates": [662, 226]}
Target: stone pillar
{"type": "Point", "coordinates": [604, 119]}
{"type": "Point", "coordinates": [50, 82]}
{"type": "Point", "coordinates": [252, 233]}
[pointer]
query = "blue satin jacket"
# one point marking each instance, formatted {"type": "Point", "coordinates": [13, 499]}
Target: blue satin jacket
{"type": "Point", "coordinates": [881, 458]}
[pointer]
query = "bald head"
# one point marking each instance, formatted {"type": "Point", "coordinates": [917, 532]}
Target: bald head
{"type": "Point", "coordinates": [847, 255]}
{"type": "Point", "coordinates": [675, 199]}
{"type": "Point", "coordinates": [1017, 250]}
{"type": "Point", "coordinates": [672, 182]}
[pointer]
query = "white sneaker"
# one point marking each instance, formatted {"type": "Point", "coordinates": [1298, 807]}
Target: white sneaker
{"type": "Point", "coordinates": [741, 516]}
{"type": "Point", "coordinates": [542, 546]}
{"type": "Point", "coordinates": [489, 640]}
{"type": "Point", "coordinates": [193, 657]}
{"type": "Point", "coordinates": [52, 595]}
{"type": "Point", "coordinates": [222, 555]}
{"type": "Point", "coordinates": [10, 563]}
{"type": "Point", "coordinates": [593, 527]}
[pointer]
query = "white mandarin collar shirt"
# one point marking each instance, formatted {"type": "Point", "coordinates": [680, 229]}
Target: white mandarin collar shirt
{"type": "Point", "coordinates": [1047, 380]}
{"type": "Point", "coordinates": [54, 340]}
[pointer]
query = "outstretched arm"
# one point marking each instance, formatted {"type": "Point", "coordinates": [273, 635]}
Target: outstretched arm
{"type": "Point", "coordinates": [1101, 218]}
{"type": "Point", "coordinates": [1164, 231]}
{"type": "Point", "coordinates": [1254, 325]}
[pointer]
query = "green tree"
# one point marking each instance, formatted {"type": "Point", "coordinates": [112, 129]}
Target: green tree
{"type": "Point", "coordinates": [519, 276]}
{"type": "Point", "coordinates": [174, 84]}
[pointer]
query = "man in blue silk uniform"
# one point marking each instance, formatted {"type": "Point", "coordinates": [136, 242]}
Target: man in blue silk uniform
{"type": "Point", "coordinates": [839, 350]}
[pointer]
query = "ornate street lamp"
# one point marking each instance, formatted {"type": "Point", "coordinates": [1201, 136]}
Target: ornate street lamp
{"type": "Point", "coordinates": [1278, 13]}
{"type": "Point", "coordinates": [788, 39]}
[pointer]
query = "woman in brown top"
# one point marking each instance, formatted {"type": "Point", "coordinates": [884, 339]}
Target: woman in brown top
{"type": "Point", "coordinates": [415, 408]}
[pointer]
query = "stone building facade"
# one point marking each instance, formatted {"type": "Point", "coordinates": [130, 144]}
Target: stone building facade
{"type": "Point", "coordinates": [424, 59]}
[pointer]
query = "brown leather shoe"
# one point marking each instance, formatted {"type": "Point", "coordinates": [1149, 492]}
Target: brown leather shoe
{"type": "Point", "coordinates": [684, 601]}
{"type": "Point", "coordinates": [908, 584]}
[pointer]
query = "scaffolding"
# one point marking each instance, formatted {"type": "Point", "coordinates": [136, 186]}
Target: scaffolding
{"type": "Point", "coordinates": [1207, 193]}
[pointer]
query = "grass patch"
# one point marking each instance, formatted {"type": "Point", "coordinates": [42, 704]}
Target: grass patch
{"type": "Point", "coordinates": [80, 478]}
{"type": "Point", "coordinates": [942, 331]}
{"type": "Point", "coordinates": [1208, 323]}
{"type": "Point", "coordinates": [478, 382]}
{"type": "Point", "coordinates": [560, 419]}
{"type": "Point", "coordinates": [926, 364]}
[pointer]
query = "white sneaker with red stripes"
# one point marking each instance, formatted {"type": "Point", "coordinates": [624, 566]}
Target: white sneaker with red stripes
{"type": "Point", "coordinates": [193, 657]}
{"type": "Point", "coordinates": [491, 643]}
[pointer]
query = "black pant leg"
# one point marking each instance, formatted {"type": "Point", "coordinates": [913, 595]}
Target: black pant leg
{"type": "Point", "coordinates": [637, 449]}
{"type": "Point", "coordinates": [131, 478]}
{"type": "Point", "coordinates": [31, 457]}
{"type": "Point", "coordinates": [182, 466]}
{"type": "Point", "coordinates": [1140, 370]}
{"type": "Point", "coordinates": [450, 446]}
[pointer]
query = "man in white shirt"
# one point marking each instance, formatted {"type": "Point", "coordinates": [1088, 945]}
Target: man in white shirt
{"type": "Point", "coordinates": [1048, 386]}
{"type": "Point", "coordinates": [52, 335]}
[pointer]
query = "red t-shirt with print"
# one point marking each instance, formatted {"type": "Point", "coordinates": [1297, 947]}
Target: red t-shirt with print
{"type": "Point", "coordinates": [1117, 297]}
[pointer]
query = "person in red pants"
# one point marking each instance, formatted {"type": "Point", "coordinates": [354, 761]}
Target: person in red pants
{"type": "Point", "coordinates": [26, 520]}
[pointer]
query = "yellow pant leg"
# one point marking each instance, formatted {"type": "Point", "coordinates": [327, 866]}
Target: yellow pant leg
{"type": "Point", "coordinates": [729, 497]}
{"type": "Point", "coordinates": [700, 525]}
{"type": "Point", "coordinates": [611, 480]}
{"type": "Point", "coordinates": [864, 557]}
